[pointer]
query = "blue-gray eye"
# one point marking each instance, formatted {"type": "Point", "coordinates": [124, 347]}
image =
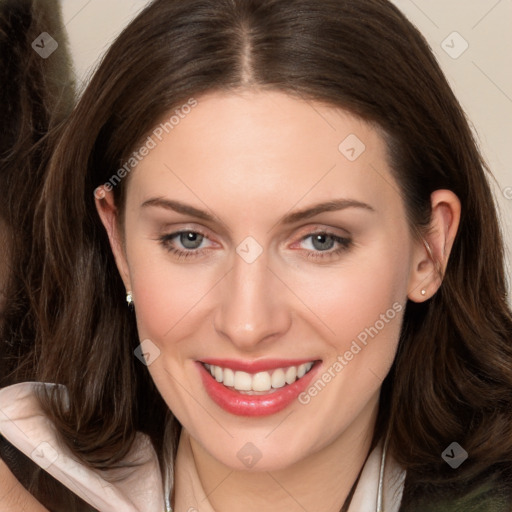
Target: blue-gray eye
{"type": "Point", "coordinates": [189, 239]}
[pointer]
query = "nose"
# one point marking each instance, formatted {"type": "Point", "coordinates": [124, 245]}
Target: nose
{"type": "Point", "coordinates": [252, 308]}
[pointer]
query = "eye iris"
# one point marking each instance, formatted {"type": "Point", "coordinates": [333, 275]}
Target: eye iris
{"type": "Point", "coordinates": [322, 238]}
{"type": "Point", "coordinates": [188, 239]}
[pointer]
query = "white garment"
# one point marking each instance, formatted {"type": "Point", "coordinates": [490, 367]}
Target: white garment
{"type": "Point", "coordinates": [24, 425]}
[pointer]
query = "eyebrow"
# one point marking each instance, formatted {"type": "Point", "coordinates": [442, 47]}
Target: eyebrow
{"type": "Point", "coordinates": [290, 218]}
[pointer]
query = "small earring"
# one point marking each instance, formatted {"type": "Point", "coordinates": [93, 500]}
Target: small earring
{"type": "Point", "coordinates": [423, 292]}
{"type": "Point", "coordinates": [129, 298]}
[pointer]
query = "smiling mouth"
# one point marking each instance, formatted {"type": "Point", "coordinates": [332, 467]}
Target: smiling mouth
{"type": "Point", "coordinates": [260, 383]}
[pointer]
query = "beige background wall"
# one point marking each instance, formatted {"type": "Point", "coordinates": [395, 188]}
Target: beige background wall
{"type": "Point", "coordinates": [480, 74]}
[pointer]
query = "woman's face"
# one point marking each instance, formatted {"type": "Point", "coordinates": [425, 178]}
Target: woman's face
{"type": "Point", "coordinates": [295, 256]}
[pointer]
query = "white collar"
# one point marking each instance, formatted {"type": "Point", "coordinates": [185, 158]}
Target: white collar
{"type": "Point", "coordinates": [25, 426]}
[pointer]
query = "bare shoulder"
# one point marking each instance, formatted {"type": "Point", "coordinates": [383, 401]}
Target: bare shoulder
{"type": "Point", "coordinates": [13, 496]}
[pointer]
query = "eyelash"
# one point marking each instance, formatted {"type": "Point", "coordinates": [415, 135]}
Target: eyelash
{"type": "Point", "coordinates": [345, 245]}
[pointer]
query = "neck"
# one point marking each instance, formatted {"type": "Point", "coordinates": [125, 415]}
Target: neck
{"type": "Point", "coordinates": [319, 482]}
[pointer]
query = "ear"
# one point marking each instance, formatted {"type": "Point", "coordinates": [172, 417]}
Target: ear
{"type": "Point", "coordinates": [107, 210]}
{"type": "Point", "coordinates": [430, 255]}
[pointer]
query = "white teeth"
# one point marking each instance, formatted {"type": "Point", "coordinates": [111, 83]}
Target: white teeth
{"type": "Point", "coordinates": [261, 381]}
{"type": "Point", "coordinates": [278, 378]}
{"type": "Point", "coordinates": [291, 375]}
{"type": "Point", "coordinates": [243, 381]}
{"type": "Point", "coordinates": [229, 377]}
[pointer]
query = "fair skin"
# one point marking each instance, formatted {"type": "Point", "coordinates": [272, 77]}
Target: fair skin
{"type": "Point", "coordinates": [249, 159]}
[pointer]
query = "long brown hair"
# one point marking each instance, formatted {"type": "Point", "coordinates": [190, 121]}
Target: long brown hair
{"type": "Point", "coordinates": [452, 376]}
{"type": "Point", "coordinates": [36, 95]}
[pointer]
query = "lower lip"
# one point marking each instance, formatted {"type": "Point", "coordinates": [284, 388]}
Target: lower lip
{"type": "Point", "coordinates": [254, 405]}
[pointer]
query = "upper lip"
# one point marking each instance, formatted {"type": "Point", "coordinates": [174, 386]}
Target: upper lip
{"type": "Point", "coordinates": [260, 365]}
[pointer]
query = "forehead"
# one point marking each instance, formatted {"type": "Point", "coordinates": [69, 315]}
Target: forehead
{"type": "Point", "coordinates": [256, 146]}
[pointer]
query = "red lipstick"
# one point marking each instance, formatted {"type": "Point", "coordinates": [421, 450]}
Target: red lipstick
{"type": "Point", "coordinates": [241, 404]}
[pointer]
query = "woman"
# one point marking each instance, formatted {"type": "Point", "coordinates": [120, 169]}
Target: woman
{"type": "Point", "coordinates": [271, 219]}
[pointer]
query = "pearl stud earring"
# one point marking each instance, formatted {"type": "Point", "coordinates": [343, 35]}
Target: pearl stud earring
{"type": "Point", "coordinates": [129, 298]}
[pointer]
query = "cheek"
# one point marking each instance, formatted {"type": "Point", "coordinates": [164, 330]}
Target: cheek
{"type": "Point", "coordinates": [355, 295]}
{"type": "Point", "coordinates": [165, 294]}
{"type": "Point", "coordinates": [171, 300]}
{"type": "Point", "coordinates": [363, 308]}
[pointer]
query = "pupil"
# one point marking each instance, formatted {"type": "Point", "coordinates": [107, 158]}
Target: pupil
{"type": "Point", "coordinates": [322, 239]}
{"type": "Point", "coordinates": [189, 240]}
